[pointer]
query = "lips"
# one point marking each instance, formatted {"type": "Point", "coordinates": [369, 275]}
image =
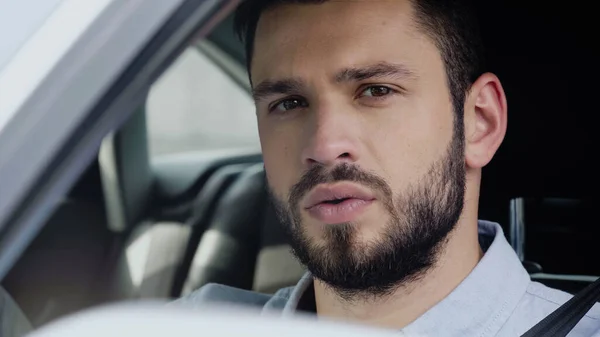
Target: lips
{"type": "Point", "coordinates": [338, 203]}
{"type": "Point", "coordinates": [336, 194]}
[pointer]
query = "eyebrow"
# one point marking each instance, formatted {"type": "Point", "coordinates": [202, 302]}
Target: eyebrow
{"type": "Point", "coordinates": [382, 69]}
{"type": "Point", "coordinates": [284, 86]}
{"type": "Point", "coordinates": [289, 86]}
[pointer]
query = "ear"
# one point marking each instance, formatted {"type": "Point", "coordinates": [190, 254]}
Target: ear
{"type": "Point", "coordinates": [485, 120]}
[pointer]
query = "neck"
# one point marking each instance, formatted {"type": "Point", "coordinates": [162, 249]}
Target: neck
{"type": "Point", "coordinates": [456, 260]}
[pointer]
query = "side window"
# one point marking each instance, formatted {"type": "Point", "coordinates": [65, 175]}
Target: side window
{"type": "Point", "coordinates": [196, 106]}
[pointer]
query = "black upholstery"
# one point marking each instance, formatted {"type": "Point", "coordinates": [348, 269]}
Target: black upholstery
{"type": "Point", "coordinates": [203, 210]}
{"type": "Point", "coordinates": [228, 248]}
{"type": "Point", "coordinates": [276, 267]}
{"type": "Point", "coordinates": [244, 245]}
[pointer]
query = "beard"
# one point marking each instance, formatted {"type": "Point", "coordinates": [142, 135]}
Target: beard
{"type": "Point", "coordinates": [421, 218]}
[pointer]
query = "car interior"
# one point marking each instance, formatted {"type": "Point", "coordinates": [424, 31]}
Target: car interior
{"type": "Point", "coordinates": [140, 224]}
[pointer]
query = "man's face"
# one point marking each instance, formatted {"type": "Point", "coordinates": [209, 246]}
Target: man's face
{"type": "Point", "coordinates": [362, 156]}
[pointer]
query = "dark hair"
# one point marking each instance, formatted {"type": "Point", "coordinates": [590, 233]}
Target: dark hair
{"type": "Point", "coordinates": [451, 24]}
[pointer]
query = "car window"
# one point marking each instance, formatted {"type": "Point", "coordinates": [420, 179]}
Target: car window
{"type": "Point", "coordinates": [196, 106]}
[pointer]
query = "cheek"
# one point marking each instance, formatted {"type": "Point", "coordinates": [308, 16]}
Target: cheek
{"type": "Point", "coordinates": [408, 143]}
{"type": "Point", "coordinates": [278, 160]}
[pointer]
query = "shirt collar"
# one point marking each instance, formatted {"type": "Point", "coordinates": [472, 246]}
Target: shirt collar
{"type": "Point", "coordinates": [291, 306]}
{"type": "Point", "coordinates": [480, 304]}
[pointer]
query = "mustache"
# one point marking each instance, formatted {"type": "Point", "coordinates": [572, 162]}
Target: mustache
{"type": "Point", "coordinates": [319, 174]}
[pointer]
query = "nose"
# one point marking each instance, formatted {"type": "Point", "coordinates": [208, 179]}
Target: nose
{"type": "Point", "coordinates": [331, 138]}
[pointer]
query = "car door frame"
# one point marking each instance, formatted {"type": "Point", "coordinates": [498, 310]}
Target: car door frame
{"type": "Point", "coordinates": [99, 103]}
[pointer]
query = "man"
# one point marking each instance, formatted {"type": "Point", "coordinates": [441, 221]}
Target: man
{"type": "Point", "coordinates": [375, 120]}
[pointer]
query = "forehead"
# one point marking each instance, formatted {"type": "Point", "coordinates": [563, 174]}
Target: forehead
{"type": "Point", "coordinates": [293, 37]}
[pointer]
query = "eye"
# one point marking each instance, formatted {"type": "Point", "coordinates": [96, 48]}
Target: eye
{"type": "Point", "coordinates": [289, 104]}
{"type": "Point", "coordinates": [376, 91]}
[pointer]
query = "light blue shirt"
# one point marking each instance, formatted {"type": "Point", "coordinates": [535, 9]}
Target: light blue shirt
{"type": "Point", "coordinates": [497, 298]}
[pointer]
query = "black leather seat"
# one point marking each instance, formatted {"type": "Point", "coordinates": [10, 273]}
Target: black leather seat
{"type": "Point", "coordinates": [244, 245]}
{"type": "Point", "coordinates": [203, 211]}
{"type": "Point", "coordinates": [276, 267]}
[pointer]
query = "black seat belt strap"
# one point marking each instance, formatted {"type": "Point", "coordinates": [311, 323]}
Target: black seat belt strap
{"type": "Point", "coordinates": [560, 322]}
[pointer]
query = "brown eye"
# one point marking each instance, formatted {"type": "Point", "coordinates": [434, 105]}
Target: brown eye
{"type": "Point", "coordinates": [376, 91]}
{"type": "Point", "coordinates": [289, 104]}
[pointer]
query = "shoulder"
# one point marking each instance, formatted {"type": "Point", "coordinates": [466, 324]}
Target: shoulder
{"type": "Point", "coordinates": [540, 300]}
{"type": "Point", "coordinates": [218, 293]}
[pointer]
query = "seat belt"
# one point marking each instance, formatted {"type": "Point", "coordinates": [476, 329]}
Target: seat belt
{"type": "Point", "coordinates": [560, 322]}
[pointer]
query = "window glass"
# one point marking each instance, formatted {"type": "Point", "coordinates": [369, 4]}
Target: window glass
{"type": "Point", "coordinates": [196, 106]}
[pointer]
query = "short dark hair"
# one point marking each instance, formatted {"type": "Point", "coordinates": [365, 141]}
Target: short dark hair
{"type": "Point", "coordinates": [451, 24]}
